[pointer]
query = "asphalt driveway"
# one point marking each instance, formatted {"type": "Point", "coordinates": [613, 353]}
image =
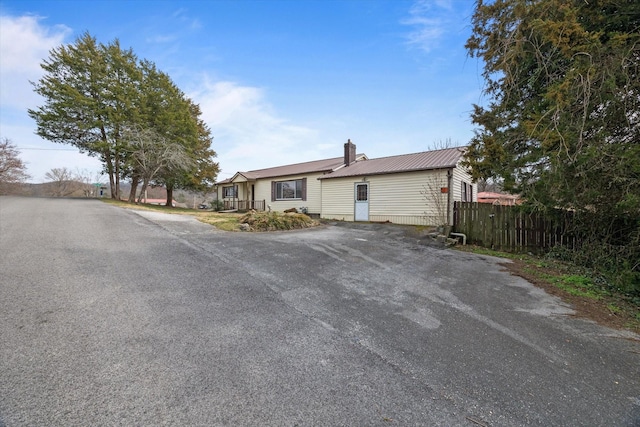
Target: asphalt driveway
{"type": "Point", "coordinates": [118, 317]}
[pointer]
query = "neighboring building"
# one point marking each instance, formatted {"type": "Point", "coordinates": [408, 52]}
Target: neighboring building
{"type": "Point", "coordinates": [159, 202]}
{"type": "Point", "coordinates": [498, 198]}
{"type": "Point", "coordinates": [415, 189]}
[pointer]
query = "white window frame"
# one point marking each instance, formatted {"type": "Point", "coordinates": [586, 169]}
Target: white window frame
{"type": "Point", "coordinates": [233, 189]}
{"type": "Point", "coordinates": [297, 189]}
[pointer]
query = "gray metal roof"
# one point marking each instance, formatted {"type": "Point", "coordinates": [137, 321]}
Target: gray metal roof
{"type": "Point", "coordinates": [437, 159]}
{"type": "Point", "coordinates": [325, 165]}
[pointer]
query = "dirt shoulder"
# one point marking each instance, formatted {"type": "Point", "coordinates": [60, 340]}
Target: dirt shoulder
{"type": "Point", "coordinates": [610, 310]}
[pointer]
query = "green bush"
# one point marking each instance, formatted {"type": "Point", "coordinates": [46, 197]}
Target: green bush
{"type": "Point", "coordinates": [217, 205]}
{"type": "Point", "coordinates": [617, 264]}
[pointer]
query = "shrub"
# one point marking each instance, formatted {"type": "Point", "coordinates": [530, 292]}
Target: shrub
{"type": "Point", "coordinates": [271, 221]}
{"type": "Point", "coordinates": [217, 205]}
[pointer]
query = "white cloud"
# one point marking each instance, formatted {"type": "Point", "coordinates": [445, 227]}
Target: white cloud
{"type": "Point", "coordinates": [430, 21]}
{"type": "Point", "coordinates": [249, 134]}
{"type": "Point", "coordinates": [24, 44]}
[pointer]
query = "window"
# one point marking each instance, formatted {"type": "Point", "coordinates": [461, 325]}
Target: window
{"type": "Point", "coordinates": [361, 192]}
{"type": "Point", "coordinates": [466, 192]}
{"type": "Point", "coordinates": [289, 190]}
{"type": "Point", "coordinates": [230, 192]}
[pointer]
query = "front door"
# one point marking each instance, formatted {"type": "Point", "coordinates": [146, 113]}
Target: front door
{"type": "Point", "coordinates": [361, 202]}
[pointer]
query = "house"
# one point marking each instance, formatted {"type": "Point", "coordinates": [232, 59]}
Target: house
{"type": "Point", "coordinates": [414, 189]}
{"type": "Point", "coordinates": [282, 187]}
{"type": "Point", "coordinates": [498, 198]}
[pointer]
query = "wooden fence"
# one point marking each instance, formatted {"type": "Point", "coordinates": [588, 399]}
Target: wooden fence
{"type": "Point", "coordinates": [510, 229]}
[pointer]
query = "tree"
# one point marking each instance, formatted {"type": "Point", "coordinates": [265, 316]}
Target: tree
{"type": "Point", "coordinates": [90, 92]}
{"type": "Point", "coordinates": [95, 92]}
{"type": "Point", "coordinates": [195, 135]}
{"type": "Point", "coordinates": [12, 168]}
{"type": "Point", "coordinates": [87, 181]}
{"type": "Point", "coordinates": [562, 125]}
{"type": "Point", "coordinates": [63, 182]}
{"type": "Point", "coordinates": [151, 153]}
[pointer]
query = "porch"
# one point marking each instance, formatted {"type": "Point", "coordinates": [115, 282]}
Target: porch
{"type": "Point", "coordinates": [243, 205]}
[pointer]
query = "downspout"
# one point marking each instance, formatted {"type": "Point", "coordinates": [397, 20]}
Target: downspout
{"type": "Point", "coordinates": [449, 180]}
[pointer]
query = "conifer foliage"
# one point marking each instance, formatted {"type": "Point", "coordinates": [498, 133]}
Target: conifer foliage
{"type": "Point", "coordinates": [95, 94]}
{"type": "Point", "coordinates": [562, 123]}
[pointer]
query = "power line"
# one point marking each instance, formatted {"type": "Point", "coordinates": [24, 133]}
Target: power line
{"type": "Point", "coordinates": [46, 149]}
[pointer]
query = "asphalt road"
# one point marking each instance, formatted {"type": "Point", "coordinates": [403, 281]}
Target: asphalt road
{"type": "Point", "coordinates": [118, 317]}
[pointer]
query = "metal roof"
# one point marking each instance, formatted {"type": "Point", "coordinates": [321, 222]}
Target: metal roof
{"type": "Point", "coordinates": [325, 165]}
{"type": "Point", "coordinates": [437, 159]}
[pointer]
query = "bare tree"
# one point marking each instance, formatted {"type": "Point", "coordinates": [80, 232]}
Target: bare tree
{"type": "Point", "coordinates": [62, 182]}
{"type": "Point", "coordinates": [442, 144]}
{"type": "Point", "coordinates": [151, 153]}
{"type": "Point", "coordinates": [12, 168]}
{"type": "Point", "coordinates": [435, 200]}
{"type": "Point", "coordinates": [85, 181]}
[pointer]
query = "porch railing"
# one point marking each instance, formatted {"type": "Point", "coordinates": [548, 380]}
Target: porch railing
{"type": "Point", "coordinates": [244, 205]}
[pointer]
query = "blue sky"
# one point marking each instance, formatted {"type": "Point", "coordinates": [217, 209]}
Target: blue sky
{"type": "Point", "coordinates": [278, 81]}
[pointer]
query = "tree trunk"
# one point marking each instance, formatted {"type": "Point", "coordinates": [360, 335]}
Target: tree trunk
{"type": "Point", "coordinates": [145, 184]}
{"type": "Point", "coordinates": [112, 186]}
{"type": "Point", "coordinates": [134, 188]}
{"type": "Point", "coordinates": [116, 160]}
{"type": "Point", "coordinates": [169, 195]}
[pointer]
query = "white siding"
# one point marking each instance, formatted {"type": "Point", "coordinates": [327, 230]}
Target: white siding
{"type": "Point", "coordinates": [313, 205]}
{"type": "Point", "coordinates": [401, 198]}
{"type": "Point", "coordinates": [413, 198]}
{"type": "Point", "coordinates": [338, 198]}
{"type": "Point", "coordinates": [459, 176]}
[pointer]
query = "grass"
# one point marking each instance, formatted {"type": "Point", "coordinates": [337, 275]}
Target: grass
{"type": "Point", "coordinates": [583, 289]}
{"type": "Point", "coordinates": [231, 221]}
{"type": "Point", "coordinates": [228, 221]}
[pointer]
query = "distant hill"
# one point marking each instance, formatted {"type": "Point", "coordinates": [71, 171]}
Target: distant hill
{"type": "Point", "coordinates": [79, 189]}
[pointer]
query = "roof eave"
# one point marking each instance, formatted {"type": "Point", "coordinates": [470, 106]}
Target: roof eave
{"type": "Point", "coordinates": [328, 176]}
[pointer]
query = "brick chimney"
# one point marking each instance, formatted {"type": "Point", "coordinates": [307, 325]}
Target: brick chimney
{"type": "Point", "coordinates": [349, 152]}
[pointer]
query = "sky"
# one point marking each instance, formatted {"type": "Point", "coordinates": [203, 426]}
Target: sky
{"type": "Point", "coordinates": [278, 81]}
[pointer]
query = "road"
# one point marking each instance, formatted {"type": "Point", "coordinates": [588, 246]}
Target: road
{"type": "Point", "coordinates": [110, 316]}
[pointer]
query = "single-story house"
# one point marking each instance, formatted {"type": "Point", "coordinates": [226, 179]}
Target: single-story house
{"type": "Point", "coordinates": [414, 189]}
{"type": "Point", "coordinates": [282, 187]}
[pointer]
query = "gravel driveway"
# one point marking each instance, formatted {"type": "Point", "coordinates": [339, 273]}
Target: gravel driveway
{"type": "Point", "coordinates": [111, 316]}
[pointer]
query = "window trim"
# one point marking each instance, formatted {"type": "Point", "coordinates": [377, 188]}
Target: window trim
{"type": "Point", "coordinates": [303, 190]}
{"type": "Point", "coordinates": [234, 190]}
{"type": "Point", "coordinates": [466, 192]}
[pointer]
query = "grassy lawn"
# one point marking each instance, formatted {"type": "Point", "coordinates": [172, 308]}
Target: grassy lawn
{"type": "Point", "coordinates": [583, 289]}
{"type": "Point", "coordinates": [229, 221]}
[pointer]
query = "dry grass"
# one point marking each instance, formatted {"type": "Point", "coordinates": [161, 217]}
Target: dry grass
{"type": "Point", "coordinates": [272, 221]}
{"type": "Point", "coordinates": [231, 221]}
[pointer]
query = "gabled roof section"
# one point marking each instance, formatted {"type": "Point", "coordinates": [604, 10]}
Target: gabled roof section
{"type": "Point", "coordinates": [317, 166]}
{"type": "Point", "coordinates": [426, 160]}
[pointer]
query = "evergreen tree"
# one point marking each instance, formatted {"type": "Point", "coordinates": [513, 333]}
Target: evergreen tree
{"type": "Point", "coordinates": [562, 126]}
{"type": "Point", "coordinates": [96, 94]}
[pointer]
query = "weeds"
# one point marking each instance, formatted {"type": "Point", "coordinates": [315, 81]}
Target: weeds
{"type": "Point", "coordinates": [591, 293]}
{"type": "Point", "coordinates": [272, 221]}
